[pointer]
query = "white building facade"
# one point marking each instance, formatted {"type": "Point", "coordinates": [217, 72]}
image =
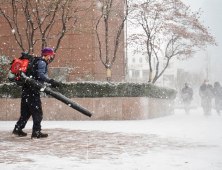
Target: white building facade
{"type": "Point", "coordinates": [138, 70]}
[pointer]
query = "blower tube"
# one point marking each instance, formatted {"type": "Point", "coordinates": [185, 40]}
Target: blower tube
{"type": "Point", "coordinates": [58, 96]}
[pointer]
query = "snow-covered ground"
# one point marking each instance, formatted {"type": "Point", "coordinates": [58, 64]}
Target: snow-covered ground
{"type": "Point", "coordinates": [176, 142]}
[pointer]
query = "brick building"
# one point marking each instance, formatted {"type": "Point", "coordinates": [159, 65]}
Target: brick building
{"type": "Point", "coordinates": [77, 58]}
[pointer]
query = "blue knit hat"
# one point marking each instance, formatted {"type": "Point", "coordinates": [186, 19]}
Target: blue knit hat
{"type": "Point", "coordinates": [47, 51]}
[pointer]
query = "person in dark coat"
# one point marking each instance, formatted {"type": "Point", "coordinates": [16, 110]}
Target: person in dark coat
{"type": "Point", "coordinates": [218, 97]}
{"type": "Point", "coordinates": [206, 93]}
{"type": "Point", "coordinates": [31, 103]}
{"type": "Point", "coordinates": [187, 96]}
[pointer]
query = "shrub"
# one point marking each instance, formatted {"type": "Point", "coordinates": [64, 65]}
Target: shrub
{"type": "Point", "coordinates": [4, 67]}
{"type": "Point", "coordinates": [98, 89]}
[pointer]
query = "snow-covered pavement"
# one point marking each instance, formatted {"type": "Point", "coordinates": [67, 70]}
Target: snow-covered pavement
{"type": "Point", "coordinates": [176, 142]}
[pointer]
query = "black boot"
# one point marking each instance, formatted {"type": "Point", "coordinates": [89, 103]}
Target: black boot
{"type": "Point", "coordinates": [38, 134]}
{"type": "Point", "coordinates": [18, 131]}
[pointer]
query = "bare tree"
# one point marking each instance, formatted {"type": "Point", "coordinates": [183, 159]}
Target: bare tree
{"type": "Point", "coordinates": [170, 30]}
{"type": "Point", "coordinates": [110, 10]}
{"type": "Point", "coordinates": [40, 18]}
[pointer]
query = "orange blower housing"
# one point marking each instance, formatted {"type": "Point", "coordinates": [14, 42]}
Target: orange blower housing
{"type": "Point", "coordinates": [19, 65]}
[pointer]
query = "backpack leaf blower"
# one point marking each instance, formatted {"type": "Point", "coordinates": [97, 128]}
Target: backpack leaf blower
{"type": "Point", "coordinates": [22, 67]}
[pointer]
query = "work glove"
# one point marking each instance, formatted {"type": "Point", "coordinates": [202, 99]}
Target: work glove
{"type": "Point", "coordinates": [55, 83]}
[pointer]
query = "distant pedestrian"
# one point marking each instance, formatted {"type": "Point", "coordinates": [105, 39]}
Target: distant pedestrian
{"type": "Point", "coordinates": [218, 97]}
{"type": "Point", "coordinates": [206, 93]}
{"type": "Point", "coordinates": [187, 96]}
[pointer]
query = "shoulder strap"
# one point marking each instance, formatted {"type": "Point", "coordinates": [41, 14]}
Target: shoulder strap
{"type": "Point", "coordinates": [32, 65]}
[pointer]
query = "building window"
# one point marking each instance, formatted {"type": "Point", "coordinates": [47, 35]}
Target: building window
{"type": "Point", "coordinates": [146, 73]}
{"type": "Point", "coordinates": [133, 60]}
{"type": "Point", "coordinates": [168, 77]}
{"type": "Point", "coordinates": [141, 60]}
{"type": "Point", "coordinates": [135, 73]}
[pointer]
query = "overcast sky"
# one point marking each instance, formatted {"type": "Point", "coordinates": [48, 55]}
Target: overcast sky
{"type": "Point", "coordinates": [212, 17]}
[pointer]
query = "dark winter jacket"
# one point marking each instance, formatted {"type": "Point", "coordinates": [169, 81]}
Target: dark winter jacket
{"type": "Point", "coordinates": [218, 93]}
{"type": "Point", "coordinates": [40, 70]}
{"type": "Point", "coordinates": [187, 94]}
{"type": "Point", "coordinates": [206, 93]}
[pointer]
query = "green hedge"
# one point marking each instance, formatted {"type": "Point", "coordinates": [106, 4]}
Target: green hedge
{"type": "Point", "coordinates": [98, 89]}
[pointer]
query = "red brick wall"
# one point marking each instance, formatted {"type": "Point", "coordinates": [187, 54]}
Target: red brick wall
{"type": "Point", "coordinates": [79, 50]}
{"type": "Point", "coordinates": [121, 108]}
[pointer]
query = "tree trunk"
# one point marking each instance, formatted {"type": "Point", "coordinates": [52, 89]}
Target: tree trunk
{"type": "Point", "coordinates": [158, 76]}
{"type": "Point", "coordinates": [108, 74]}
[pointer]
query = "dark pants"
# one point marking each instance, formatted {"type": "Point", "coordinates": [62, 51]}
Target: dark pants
{"type": "Point", "coordinates": [187, 106]}
{"type": "Point", "coordinates": [206, 104]}
{"type": "Point", "coordinates": [30, 106]}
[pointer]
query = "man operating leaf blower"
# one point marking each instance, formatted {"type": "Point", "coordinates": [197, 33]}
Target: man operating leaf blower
{"type": "Point", "coordinates": [31, 103]}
